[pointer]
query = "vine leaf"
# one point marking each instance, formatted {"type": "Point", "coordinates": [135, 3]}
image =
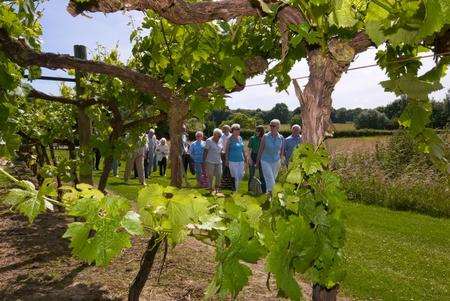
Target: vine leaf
{"type": "Point", "coordinates": [29, 201]}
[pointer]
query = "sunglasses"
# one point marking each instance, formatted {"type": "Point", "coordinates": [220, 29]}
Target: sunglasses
{"type": "Point", "coordinates": [273, 125]}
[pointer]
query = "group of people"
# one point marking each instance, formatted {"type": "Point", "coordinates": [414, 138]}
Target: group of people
{"type": "Point", "coordinates": [147, 157]}
{"type": "Point", "coordinates": [220, 161]}
{"type": "Point", "coordinates": [224, 155]}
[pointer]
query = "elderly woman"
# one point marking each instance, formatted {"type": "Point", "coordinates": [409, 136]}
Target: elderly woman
{"type": "Point", "coordinates": [235, 157]}
{"type": "Point", "coordinates": [162, 156]}
{"type": "Point", "coordinates": [213, 160]}
{"type": "Point", "coordinates": [196, 151]}
{"type": "Point", "coordinates": [292, 142]}
{"type": "Point", "coordinates": [269, 155]}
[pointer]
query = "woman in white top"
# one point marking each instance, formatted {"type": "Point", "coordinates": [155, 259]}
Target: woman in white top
{"type": "Point", "coordinates": [213, 160]}
{"type": "Point", "coordinates": [162, 156]}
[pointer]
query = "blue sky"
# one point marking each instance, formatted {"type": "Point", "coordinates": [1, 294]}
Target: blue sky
{"type": "Point", "coordinates": [358, 88]}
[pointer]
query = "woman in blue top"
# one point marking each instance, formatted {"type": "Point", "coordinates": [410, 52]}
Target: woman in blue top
{"type": "Point", "coordinates": [196, 151]}
{"type": "Point", "coordinates": [235, 155]}
{"type": "Point", "coordinates": [269, 156]}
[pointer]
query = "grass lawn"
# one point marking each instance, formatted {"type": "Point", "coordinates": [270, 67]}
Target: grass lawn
{"type": "Point", "coordinates": [390, 255]}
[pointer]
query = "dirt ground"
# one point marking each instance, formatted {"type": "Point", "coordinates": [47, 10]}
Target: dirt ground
{"type": "Point", "coordinates": [36, 264]}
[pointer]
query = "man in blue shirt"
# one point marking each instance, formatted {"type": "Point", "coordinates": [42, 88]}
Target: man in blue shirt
{"type": "Point", "coordinates": [196, 151]}
{"type": "Point", "coordinates": [292, 141]}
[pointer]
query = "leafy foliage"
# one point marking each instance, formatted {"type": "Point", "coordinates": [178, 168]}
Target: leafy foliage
{"type": "Point", "coordinates": [28, 201]}
{"type": "Point", "coordinates": [108, 223]}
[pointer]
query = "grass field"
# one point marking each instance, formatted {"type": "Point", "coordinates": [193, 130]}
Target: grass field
{"type": "Point", "coordinates": [390, 255]}
{"type": "Point", "coordinates": [352, 145]}
{"type": "Point", "coordinates": [339, 127]}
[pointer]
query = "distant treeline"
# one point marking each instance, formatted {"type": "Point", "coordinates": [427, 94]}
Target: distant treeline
{"type": "Point", "coordinates": [381, 118]}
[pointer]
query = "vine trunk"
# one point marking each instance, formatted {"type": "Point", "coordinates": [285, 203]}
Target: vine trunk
{"type": "Point", "coordinates": [177, 115]}
{"type": "Point", "coordinates": [147, 261]}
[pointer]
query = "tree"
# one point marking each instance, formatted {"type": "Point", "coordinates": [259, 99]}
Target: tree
{"type": "Point", "coordinates": [279, 111]}
{"type": "Point", "coordinates": [440, 116]}
{"type": "Point", "coordinates": [395, 108]}
{"type": "Point", "coordinates": [244, 120]}
{"type": "Point", "coordinates": [372, 119]}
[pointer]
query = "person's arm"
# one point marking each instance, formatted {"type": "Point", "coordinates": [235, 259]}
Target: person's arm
{"type": "Point", "coordinates": [260, 151]}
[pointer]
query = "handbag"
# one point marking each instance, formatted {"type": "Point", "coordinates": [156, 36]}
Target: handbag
{"type": "Point", "coordinates": [255, 184]}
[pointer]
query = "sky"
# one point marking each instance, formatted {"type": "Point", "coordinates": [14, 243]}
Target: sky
{"type": "Point", "coordinates": [357, 88]}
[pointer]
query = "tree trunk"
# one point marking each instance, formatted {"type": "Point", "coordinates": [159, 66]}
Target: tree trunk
{"type": "Point", "coordinates": [325, 70]}
{"type": "Point", "coordinates": [321, 293]}
{"type": "Point", "coordinates": [44, 154]}
{"type": "Point", "coordinates": [85, 132]}
{"type": "Point", "coordinates": [147, 261]}
{"type": "Point", "coordinates": [40, 155]}
{"type": "Point", "coordinates": [177, 115]}
{"type": "Point", "coordinates": [105, 173]}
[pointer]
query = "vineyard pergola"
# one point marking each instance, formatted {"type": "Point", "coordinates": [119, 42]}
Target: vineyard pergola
{"type": "Point", "coordinates": [300, 229]}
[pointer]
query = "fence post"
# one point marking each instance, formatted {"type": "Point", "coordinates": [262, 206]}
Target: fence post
{"type": "Point", "coordinates": [84, 124]}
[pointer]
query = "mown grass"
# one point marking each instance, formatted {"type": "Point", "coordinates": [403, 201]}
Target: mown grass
{"type": "Point", "coordinates": [396, 255]}
{"type": "Point", "coordinates": [390, 255]}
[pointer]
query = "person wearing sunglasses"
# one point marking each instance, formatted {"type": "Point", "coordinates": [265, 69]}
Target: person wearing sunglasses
{"type": "Point", "coordinates": [269, 156]}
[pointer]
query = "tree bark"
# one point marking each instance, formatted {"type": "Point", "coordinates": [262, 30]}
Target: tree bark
{"type": "Point", "coordinates": [177, 11]}
{"type": "Point", "coordinates": [177, 115]}
{"type": "Point", "coordinates": [147, 261]}
{"type": "Point", "coordinates": [325, 70]}
{"type": "Point", "coordinates": [105, 173]}
{"type": "Point", "coordinates": [44, 154]}
{"type": "Point", "coordinates": [321, 293]}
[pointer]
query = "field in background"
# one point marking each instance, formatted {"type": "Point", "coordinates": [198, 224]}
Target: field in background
{"type": "Point", "coordinates": [346, 146]}
{"type": "Point", "coordinates": [338, 127]}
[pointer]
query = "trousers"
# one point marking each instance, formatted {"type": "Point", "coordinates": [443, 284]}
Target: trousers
{"type": "Point", "coordinates": [270, 172]}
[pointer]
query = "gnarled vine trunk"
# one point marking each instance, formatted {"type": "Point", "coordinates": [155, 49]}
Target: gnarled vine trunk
{"type": "Point", "coordinates": [325, 70]}
{"type": "Point", "coordinates": [105, 173]}
{"type": "Point", "coordinates": [177, 115]}
{"type": "Point", "coordinates": [147, 261]}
